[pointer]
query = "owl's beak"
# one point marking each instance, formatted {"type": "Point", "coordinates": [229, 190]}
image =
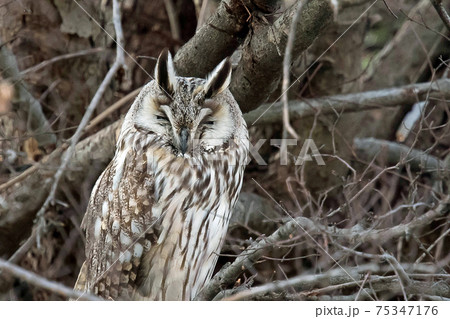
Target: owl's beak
{"type": "Point", "coordinates": [184, 136]}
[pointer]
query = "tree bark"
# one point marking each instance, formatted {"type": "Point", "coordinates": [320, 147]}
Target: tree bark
{"type": "Point", "coordinates": [220, 36]}
{"type": "Point", "coordinates": [259, 70]}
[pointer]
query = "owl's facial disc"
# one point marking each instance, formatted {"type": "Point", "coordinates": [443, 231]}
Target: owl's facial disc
{"type": "Point", "coordinates": [188, 113]}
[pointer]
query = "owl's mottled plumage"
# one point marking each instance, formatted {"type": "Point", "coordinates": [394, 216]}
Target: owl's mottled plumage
{"type": "Point", "coordinates": [158, 214]}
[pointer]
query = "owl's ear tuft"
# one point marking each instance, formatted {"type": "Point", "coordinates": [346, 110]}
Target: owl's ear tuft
{"type": "Point", "coordinates": [165, 72]}
{"type": "Point", "coordinates": [218, 80]}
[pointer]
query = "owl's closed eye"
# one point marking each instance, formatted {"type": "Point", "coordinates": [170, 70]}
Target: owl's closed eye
{"type": "Point", "coordinates": [188, 113]}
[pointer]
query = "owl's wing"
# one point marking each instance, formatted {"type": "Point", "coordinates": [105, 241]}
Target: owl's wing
{"type": "Point", "coordinates": [120, 227]}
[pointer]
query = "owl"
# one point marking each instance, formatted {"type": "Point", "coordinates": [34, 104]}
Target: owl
{"type": "Point", "coordinates": [158, 215]}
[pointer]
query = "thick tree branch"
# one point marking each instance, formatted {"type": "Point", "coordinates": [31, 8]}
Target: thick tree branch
{"type": "Point", "coordinates": [220, 36]}
{"type": "Point", "coordinates": [303, 282]}
{"type": "Point", "coordinates": [259, 70]}
{"type": "Point", "coordinates": [355, 102]}
{"type": "Point", "coordinates": [393, 153]}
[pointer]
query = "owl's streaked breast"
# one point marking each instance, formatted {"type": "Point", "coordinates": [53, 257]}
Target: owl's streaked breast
{"type": "Point", "coordinates": [195, 202]}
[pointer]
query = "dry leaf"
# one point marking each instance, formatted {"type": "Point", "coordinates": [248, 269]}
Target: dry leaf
{"type": "Point", "coordinates": [6, 94]}
{"type": "Point", "coordinates": [31, 147]}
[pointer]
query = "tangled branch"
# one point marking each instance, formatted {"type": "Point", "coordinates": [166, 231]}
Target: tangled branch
{"type": "Point", "coordinates": [229, 273]}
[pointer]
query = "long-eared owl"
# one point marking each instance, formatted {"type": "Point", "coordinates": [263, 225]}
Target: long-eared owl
{"type": "Point", "coordinates": [158, 215]}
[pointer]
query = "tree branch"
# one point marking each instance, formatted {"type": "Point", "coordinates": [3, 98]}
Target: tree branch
{"type": "Point", "coordinates": [55, 59]}
{"type": "Point", "coordinates": [303, 282]}
{"type": "Point", "coordinates": [439, 6]}
{"type": "Point", "coordinates": [355, 102]}
{"type": "Point", "coordinates": [259, 70]}
{"type": "Point", "coordinates": [24, 101]}
{"type": "Point", "coordinates": [173, 20]}
{"type": "Point", "coordinates": [44, 283]}
{"type": "Point", "coordinates": [393, 153]}
{"type": "Point", "coordinates": [227, 28]}
{"type": "Point", "coordinates": [229, 273]}
{"type": "Point", "coordinates": [311, 285]}
{"type": "Point", "coordinates": [286, 72]}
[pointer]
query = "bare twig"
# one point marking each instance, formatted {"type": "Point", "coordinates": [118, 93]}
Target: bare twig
{"type": "Point", "coordinates": [442, 236]}
{"type": "Point", "coordinates": [114, 107]}
{"type": "Point", "coordinates": [45, 63]}
{"type": "Point", "coordinates": [361, 289]}
{"type": "Point", "coordinates": [19, 178]}
{"type": "Point", "coordinates": [404, 279]}
{"type": "Point", "coordinates": [390, 10]}
{"type": "Point", "coordinates": [286, 69]}
{"type": "Point", "coordinates": [439, 6]}
{"type": "Point", "coordinates": [44, 283]}
{"type": "Point", "coordinates": [301, 282]}
{"type": "Point", "coordinates": [423, 24]}
{"type": "Point", "coordinates": [391, 284]}
{"type": "Point", "coordinates": [335, 211]}
{"type": "Point", "coordinates": [350, 284]}
{"type": "Point", "coordinates": [173, 21]}
{"type": "Point", "coordinates": [352, 297]}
